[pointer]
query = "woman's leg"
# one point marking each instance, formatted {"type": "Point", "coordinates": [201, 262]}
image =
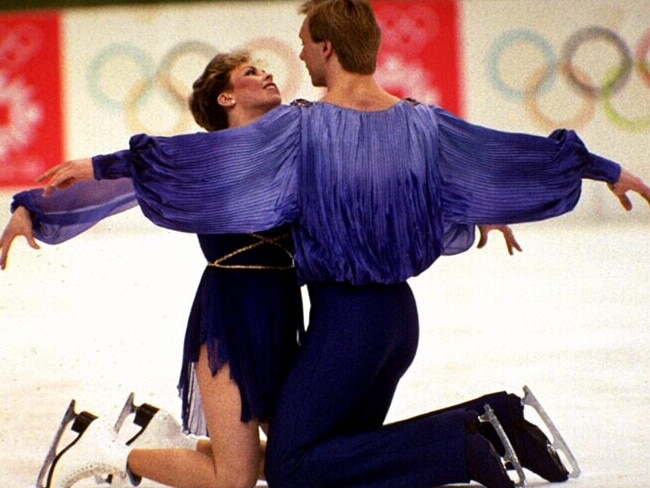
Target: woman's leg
{"type": "Point", "coordinates": [235, 444]}
{"type": "Point", "coordinates": [204, 446]}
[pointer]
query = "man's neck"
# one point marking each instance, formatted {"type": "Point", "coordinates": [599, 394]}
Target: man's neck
{"type": "Point", "coordinates": [359, 92]}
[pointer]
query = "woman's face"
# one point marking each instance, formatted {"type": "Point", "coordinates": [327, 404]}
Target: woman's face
{"type": "Point", "coordinates": [253, 88]}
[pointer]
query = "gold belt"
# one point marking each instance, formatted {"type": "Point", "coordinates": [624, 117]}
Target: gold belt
{"type": "Point", "coordinates": [273, 241]}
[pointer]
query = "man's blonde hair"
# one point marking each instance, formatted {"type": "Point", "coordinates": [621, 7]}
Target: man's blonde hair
{"type": "Point", "coordinates": [351, 27]}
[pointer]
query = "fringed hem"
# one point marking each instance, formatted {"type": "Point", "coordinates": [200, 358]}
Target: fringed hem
{"type": "Point", "coordinates": [192, 413]}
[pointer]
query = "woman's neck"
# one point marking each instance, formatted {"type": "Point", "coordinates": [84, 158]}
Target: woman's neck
{"type": "Point", "coordinates": [239, 117]}
{"type": "Point", "coordinates": [239, 120]}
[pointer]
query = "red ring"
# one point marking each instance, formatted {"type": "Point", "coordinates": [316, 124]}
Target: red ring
{"type": "Point", "coordinates": [578, 121]}
{"type": "Point", "coordinates": [642, 54]}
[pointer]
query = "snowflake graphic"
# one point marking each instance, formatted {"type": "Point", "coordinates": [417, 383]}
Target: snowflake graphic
{"type": "Point", "coordinates": [21, 116]}
{"type": "Point", "coordinates": [410, 79]}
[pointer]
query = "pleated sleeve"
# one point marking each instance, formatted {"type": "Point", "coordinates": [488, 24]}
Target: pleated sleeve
{"type": "Point", "coordinates": [67, 213]}
{"type": "Point", "coordinates": [495, 177]}
{"type": "Point", "coordinates": [230, 181]}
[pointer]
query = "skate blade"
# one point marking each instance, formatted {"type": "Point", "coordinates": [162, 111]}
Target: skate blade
{"type": "Point", "coordinates": [68, 417]}
{"type": "Point", "coordinates": [558, 443]}
{"type": "Point", "coordinates": [510, 457]}
{"type": "Point", "coordinates": [127, 409]}
{"type": "Point", "coordinates": [143, 415]}
{"type": "Point", "coordinates": [79, 421]}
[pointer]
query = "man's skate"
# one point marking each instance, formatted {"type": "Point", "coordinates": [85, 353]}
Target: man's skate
{"type": "Point", "coordinates": [509, 458]}
{"type": "Point", "coordinates": [558, 443]}
{"type": "Point", "coordinates": [95, 451]}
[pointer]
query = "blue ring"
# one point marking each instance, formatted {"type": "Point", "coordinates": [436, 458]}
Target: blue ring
{"type": "Point", "coordinates": [141, 58]}
{"type": "Point", "coordinates": [508, 40]}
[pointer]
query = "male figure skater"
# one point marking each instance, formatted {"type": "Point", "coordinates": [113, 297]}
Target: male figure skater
{"type": "Point", "coordinates": [380, 183]}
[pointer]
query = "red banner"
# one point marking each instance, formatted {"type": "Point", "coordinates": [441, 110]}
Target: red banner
{"type": "Point", "coordinates": [31, 121]}
{"type": "Point", "coordinates": [420, 55]}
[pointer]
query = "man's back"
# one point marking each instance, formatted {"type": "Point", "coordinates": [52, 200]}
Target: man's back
{"type": "Point", "coordinates": [369, 193]}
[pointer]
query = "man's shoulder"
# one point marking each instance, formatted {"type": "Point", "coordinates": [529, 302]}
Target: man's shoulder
{"type": "Point", "coordinates": [412, 101]}
{"type": "Point", "coordinates": [301, 102]}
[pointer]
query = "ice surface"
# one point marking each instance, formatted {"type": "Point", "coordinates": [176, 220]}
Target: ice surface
{"type": "Point", "coordinates": [104, 315]}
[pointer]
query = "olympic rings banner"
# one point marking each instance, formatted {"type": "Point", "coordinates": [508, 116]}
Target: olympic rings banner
{"type": "Point", "coordinates": [82, 81]}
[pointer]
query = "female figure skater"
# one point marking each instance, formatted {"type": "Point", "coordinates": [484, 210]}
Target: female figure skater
{"type": "Point", "coordinates": [246, 320]}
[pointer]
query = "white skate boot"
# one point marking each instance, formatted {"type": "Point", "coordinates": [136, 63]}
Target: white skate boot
{"type": "Point", "coordinates": [96, 451]}
{"type": "Point", "coordinates": [159, 429]}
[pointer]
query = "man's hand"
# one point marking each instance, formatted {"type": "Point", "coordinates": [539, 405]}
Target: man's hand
{"type": "Point", "coordinates": [508, 235]}
{"type": "Point", "coordinates": [66, 174]}
{"type": "Point", "coordinates": [629, 182]}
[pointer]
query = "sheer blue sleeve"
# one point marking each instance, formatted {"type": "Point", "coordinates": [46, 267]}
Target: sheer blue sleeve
{"type": "Point", "coordinates": [494, 177]}
{"type": "Point", "coordinates": [229, 181]}
{"type": "Point", "coordinates": [67, 213]}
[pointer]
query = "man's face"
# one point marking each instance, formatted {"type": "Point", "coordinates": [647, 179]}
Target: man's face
{"type": "Point", "coordinates": [311, 54]}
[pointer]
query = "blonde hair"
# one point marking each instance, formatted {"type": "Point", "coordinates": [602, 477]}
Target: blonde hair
{"type": "Point", "coordinates": [351, 27]}
{"type": "Point", "coordinates": [206, 89]}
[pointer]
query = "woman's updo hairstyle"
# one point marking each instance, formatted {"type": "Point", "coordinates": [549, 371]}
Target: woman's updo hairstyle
{"type": "Point", "coordinates": [206, 89]}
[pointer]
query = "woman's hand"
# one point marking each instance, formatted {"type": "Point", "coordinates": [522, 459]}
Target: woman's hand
{"type": "Point", "coordinates": [20, 224]}
{"type": "Point", "coordinates": [508, 235]}
{"type": "Point", "coordinates": [66, 174]}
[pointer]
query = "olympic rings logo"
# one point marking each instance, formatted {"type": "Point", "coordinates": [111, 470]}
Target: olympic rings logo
{"type": "Point", "coordinates": [593, 83]}
{"type": "Point", "coordinates": [125, 79]}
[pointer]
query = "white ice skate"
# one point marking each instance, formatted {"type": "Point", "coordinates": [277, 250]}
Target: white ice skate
{"type": "Point", "coordinates": [558, 443]}
{"type": "Point", "coordinates": [510, 457]}
{"type": "Point", "coordinates": [159, 429]}
{"type": "Point", "coordinates": [95, 452]}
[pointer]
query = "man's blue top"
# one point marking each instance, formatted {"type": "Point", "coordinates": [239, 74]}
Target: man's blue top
{"type": "Point", "coordinates": [375, 197]}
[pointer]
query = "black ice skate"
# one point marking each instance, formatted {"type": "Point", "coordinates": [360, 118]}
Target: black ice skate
{"type": "Point", "coordinates": [558, 443]}
{"type": "Point", "coordinates": [509, 458]}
